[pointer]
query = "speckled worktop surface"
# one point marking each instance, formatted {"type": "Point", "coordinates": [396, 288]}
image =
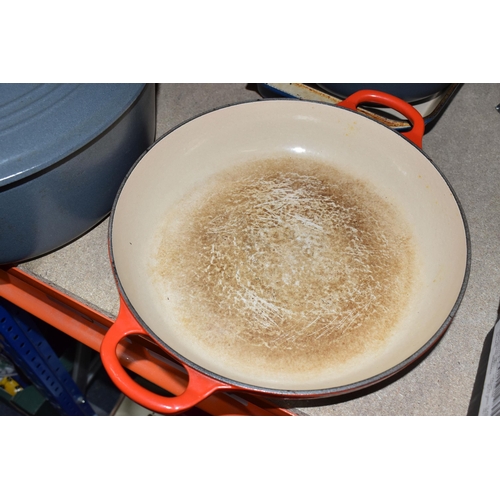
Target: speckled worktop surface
{"type": "Point", "coordinates": [465, 144]}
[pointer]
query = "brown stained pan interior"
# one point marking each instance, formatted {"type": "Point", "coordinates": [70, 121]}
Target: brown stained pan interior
{"type": "Point", "coordinates": [306, 259]}
{"type": "Point", "coordinates": [283, 261]}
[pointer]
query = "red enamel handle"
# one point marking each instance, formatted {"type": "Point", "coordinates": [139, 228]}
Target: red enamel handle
{"type": "Point", "coordinates": [407, 110]}
{"type": "Point", "coordinates": [199, 386]}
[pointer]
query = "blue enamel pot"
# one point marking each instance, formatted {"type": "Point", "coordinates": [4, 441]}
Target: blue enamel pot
{"type": "Point", "coordinates": [64, 151]}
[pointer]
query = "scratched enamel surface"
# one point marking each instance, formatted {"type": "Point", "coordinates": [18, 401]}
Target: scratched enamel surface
{"type": "Point", "coordinates": [281, 262]}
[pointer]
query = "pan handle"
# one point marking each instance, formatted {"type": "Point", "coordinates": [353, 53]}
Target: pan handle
{"type": "Point", "coordinates": [199, 386]}
{"type": "Point", "coordinates": [416, 133]}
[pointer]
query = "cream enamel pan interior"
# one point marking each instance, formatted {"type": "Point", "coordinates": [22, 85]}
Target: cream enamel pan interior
{"type": "Point", "coordinates": [395, 170]}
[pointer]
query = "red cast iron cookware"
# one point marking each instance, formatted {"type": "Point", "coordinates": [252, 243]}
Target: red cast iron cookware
{"type": "Point", "coordinates": [187, 159]}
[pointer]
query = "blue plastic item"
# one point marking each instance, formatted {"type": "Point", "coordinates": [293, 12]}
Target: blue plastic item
{"type": "Point", "coordinates": [26, 346]}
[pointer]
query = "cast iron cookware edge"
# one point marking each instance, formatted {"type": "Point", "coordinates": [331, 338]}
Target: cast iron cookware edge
{"type": "Point", "coordinates": [203, 382]}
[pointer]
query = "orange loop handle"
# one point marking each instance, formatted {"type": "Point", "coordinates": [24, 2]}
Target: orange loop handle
{"type": "Point", "coordinates": [199, 386]}
{"type": "Point", "coordinates": [416, 133]}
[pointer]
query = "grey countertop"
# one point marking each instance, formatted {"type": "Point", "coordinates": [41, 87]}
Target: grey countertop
{"type": "Point", "coordinates": [465, 144]}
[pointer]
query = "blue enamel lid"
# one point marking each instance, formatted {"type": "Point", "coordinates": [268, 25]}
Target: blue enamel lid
{"type": "Point", "coordinates": [41, 124]}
